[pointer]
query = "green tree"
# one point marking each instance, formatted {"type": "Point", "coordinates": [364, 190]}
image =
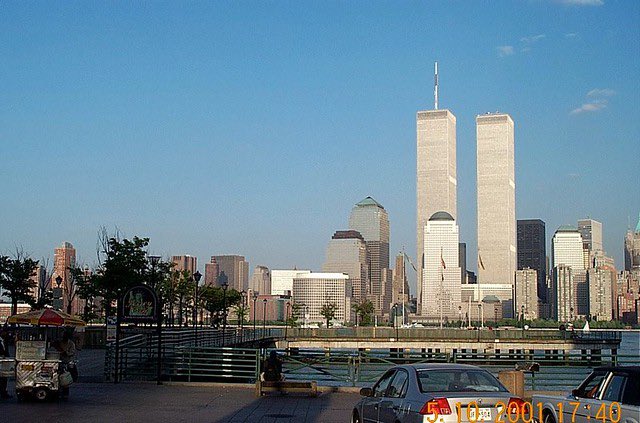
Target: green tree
{"type": "Point", "coordinates": [214, 299]}
{"type": "Point", "coordinates": [295, 314]}
{"type": "Point", "coordinates": [15, 278]}
{"type": "Point", "coordinates": [364, 312]}
{"type": "Point", "coordinates": [125, 265]}
{"type": "Point", "coordinates": [328, 311]}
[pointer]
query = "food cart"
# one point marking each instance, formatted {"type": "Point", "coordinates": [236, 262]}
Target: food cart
{"type": "Point", "coordinates": [38, 368]}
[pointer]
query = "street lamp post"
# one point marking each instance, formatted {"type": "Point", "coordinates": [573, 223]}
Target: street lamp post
{"type": "Point", "coordinates": [196, 279]}
{"type": "Point", "coordinates": [58, 301]}
{"type": "Point", "coordinates": [154, 260]}
{"type": "Point", "coordinates": [286, 320]}
{"type": "Point", "coordinates": [264, 316]}
{"type": "Point", "coordinates": [225, 285]}
{"type": "Point", "coordinates": [255, 298]}
{"type": "Point", "coordinates": [243, 311]}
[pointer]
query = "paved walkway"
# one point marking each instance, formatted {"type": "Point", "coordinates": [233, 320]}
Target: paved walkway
{"type": "Point", "coordinates": [146, 402]}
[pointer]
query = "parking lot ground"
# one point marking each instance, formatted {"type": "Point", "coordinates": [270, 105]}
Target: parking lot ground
{"type": "Point", "coordinates": [147, 402]}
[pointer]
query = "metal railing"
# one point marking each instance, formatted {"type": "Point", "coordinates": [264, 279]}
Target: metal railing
{"type": "Point", "coordinates": [362, 368]}
{"type": "Point", "coordinates": [138, 352]}
{"type": "Point", "coordinates": [450, 334]}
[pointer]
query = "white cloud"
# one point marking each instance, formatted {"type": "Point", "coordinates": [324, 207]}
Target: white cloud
{"type": "Point", "coordinates": [504, 51]}
{"type": "Point", "coordinates": [601, 92]}
{"type": "Point", "coordinates": [583, 2]}
{"type": "Point", "coordinates": [593, 106]}
{"type": "Point", "coordinates": [532, 39]}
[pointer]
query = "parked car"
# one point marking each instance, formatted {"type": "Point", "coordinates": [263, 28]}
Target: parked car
{"type": "Point", "coordinates": [610, 394]}
{"type": "Point", "coordinates": [440, 393]}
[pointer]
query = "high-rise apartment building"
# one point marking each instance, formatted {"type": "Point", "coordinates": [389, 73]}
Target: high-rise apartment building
{"type": "Point", "coordinates": [347, 253]}
{"type": "Point", "coordinates": [371, 220]}
{"type": "Point", "coordinates": [64, 258]}
{"type": "Point", "coordinates": [564, 294]}
{"type": "Point", "coordinates": [532, 251]}
{"type": "Point", "coordinates": [211, 272]}
{"type": "Point", "coordinates": [497, 247]}
{"type": "Point", "coordinates": [314, 290]}
{"type": "Point", "coordinates": [186, 262]}
{"type": "Point", "coordinates": [261, 280]}
{"type": "Point", "coordinates": [526, 294]}
{"type": "Point", "coordinates": [436, 176]}
{"type": "Point", "coordinates": [441, 276]}
{"type": "Point", "coordinates": [236, 269]}
{"type": "Point", "coordinates": [602, 293]}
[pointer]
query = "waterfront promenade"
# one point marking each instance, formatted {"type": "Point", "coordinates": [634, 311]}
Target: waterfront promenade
{"type": "Point", "coordinates": [147, 402]}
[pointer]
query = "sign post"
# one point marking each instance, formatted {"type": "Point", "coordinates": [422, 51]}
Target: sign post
{"type": "Point", "coordinates": [140, 304]}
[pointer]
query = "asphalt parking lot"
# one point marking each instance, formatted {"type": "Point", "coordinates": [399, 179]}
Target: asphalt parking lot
{"type": "Point", "coordinates": [147, 402]}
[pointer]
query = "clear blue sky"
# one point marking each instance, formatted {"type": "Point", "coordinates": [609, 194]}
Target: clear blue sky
{"type": "Point", "coordinates": [236, 127]}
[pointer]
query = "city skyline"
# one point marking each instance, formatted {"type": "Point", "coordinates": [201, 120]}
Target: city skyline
{"type": "Point", "coordinates": [140, 121]}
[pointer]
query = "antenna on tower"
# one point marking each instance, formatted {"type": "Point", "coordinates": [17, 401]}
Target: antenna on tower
{"type": "Point", "coordinates": [435, 89]}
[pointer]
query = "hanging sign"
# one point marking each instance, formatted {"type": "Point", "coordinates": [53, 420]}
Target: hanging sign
{"type": "Point", "coordinates": [139, 305]}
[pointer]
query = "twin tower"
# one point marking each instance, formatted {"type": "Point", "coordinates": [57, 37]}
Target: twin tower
{"type": "Point", "coordinates": [439, 274]}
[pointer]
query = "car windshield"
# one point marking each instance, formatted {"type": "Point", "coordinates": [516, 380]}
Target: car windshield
{"type": "Point", "coordinates": [458, 380]}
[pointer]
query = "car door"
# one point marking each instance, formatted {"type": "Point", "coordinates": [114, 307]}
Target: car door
{"type": "Point", "coordinates": [392, 407]}
{"type": "Point", "coordinates": [584, 407]}
{"type": "Point", "coordinates": [370, 405]}
{"type": "Point", "coordinates": [630, 402]}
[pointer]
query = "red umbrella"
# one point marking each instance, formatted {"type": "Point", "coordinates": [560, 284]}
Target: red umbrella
{"type": "Point", "coordinates": [46, 317]}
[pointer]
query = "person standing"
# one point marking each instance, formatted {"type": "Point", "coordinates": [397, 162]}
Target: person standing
{"type": "Point", "coordinates": [4, 353]}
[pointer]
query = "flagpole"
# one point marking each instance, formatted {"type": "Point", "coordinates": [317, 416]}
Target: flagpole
{"type": "Point", "coordinates": [441, 283]}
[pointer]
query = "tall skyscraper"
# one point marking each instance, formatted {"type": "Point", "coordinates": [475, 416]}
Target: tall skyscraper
{"type": "Point", "coordinates": [496, 198]}
{"type": "Point", "coordinates": [566, 248]}
{"type": "Point", "coordinates": [371, 220]}
{"type": "Point", "coordinates": [400, 293]}
{"type": "Point", "coordinates": [436, 176]}
{"type": "Point", "coordinates": [186, 262]}
{"type": "Point", "coordinates": [64, 257]}
{"type": "Point", "coordinates": [441, 276]}
{"type": "Point", "coordinates": [569, 284]}
{"type": "Point", "coordinates": [236, 269]}
{"type": "Point", "coordinates": [261, 280]}
{"type": "Point", "coordinates": [632, 249]}
{"type": "Point", "coordinates": [591, 232]}
{"type": "Point", "coordinates": [347, 253]}
{"type": "Point", "coordinates": [532, 251]}
{"type": "Point", "coordinates": [211, 272]}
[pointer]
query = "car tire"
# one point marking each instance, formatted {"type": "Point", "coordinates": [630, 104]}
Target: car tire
{"type": "Point", "coordinates": [41, 394]}
{"type": "Point", "coordinates": [548, 418]}
{"type": "Point", "coordinates": [355, 417]}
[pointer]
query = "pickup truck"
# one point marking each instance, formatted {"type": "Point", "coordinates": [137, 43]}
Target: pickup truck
{"type": "Point", "coordinates": [607, 395]}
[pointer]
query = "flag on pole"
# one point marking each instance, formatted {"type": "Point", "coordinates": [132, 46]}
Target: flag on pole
{"type": "Point", "coordinates": [444, 266]}
{"type": "Point", "coordinates": [480, 263]}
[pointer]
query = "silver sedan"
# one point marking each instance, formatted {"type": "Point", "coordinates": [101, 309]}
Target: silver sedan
{"type": "Point", "coordinates": [437, 393]}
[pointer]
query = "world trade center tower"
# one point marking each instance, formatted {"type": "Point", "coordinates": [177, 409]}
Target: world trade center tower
{"type": "Point", "coordinates": [436, 182]}
{"type": "Point", "coordinates": [496, 188]}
